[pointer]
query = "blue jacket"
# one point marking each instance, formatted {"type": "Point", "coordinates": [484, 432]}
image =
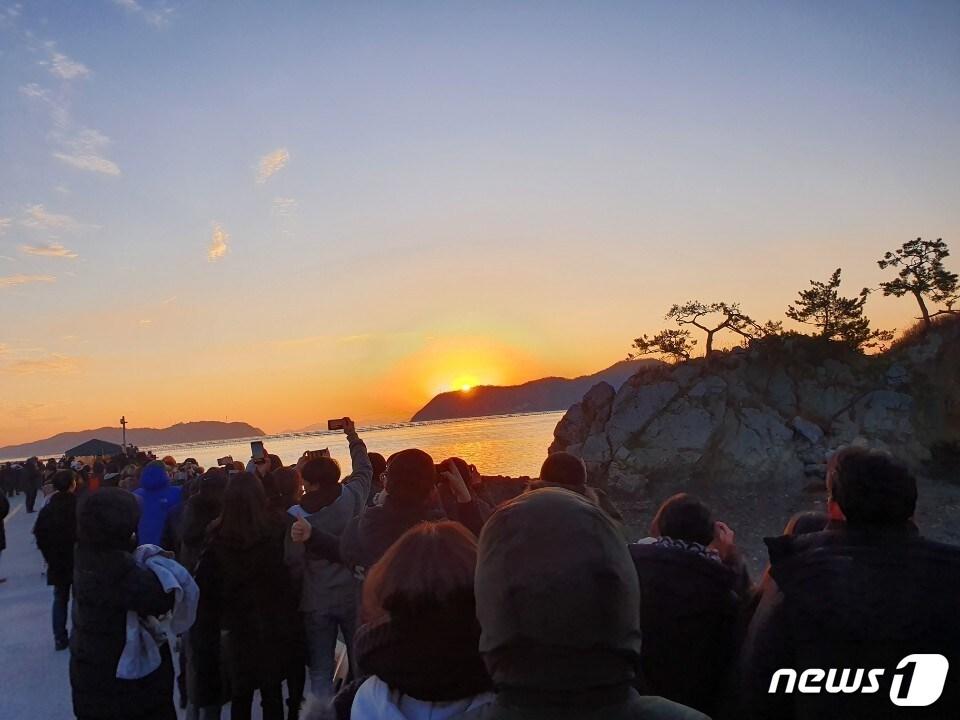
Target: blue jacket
{"type": "Point", "coordinates": [157, 499]}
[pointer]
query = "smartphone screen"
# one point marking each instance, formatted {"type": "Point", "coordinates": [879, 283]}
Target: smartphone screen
{"type": "Point", "coordinates": [256, 448]}
{"type": "Point", "coordinates": [337, 424]}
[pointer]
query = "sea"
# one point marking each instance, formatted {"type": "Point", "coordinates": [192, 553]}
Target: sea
{"type": "Point", "coordinates": [512, 445]}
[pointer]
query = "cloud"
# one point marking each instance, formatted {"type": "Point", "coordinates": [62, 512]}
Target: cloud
{"type": "Point", "coordinates": [38, 218]}
{"type": "Point", "coordinates": [8, 281]}
{"type": "Point", "coordinates": [58, 111]}
{"type": "Point", "coordinates": [218, 243]}
{"type": "Point", "coordinates": [158, 17]}
{"type": "Point", "coordinates": [53, 365]}
{"type": "Point", "coordinates": [283, 207]}
{"type": "Point", "coordinates": [63, 67]}
{"type": "Point", "coordinates": [272, 163]}
{"type": "Point", "coordinates": [48, 250]}
{"type": "Point", "coordinates": [86, 152]}
{"type": "Point", "coordinates": [146, 322]}
{"type": "Point", "coordinates": [5, 224]}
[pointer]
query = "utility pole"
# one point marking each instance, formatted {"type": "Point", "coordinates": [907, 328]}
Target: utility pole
{"type": "Point", "coordinates": [123, 424]}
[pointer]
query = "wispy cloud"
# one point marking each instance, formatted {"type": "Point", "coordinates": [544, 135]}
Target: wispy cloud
{"type": "Point", "coordinates": [53, 365]}
{"type": "Point", "coordinates": [5, 224]}
{"type": "Point", "coordinates": [48, 250]}
{"type": "Point", "coordinates": [59, 114]}
{"type": "Point", "coordinates": [272, 163]}
{"type": "Point", "coordinates": [218, 243]}
{"type": "Point", "coordinates": [283, 207]}
{"type": "Point", "coordinates": [64, 67]}
{"type": "Point", "coordinates": [158, 16]}
{"type": "Point", "coordinates": [86, 152]}
{"type": "Point", "coordinates": [8, 281]}
{"type": "Point", "coordinates": [146, 322]}
{"type": "Point", "coordinates": [37, 218]}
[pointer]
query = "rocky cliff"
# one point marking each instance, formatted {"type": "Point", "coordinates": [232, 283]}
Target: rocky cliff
{"type": "Point", "coordinates": [772, 412]}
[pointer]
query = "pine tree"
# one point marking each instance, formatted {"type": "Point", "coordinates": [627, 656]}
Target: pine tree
{"type": "Point", "coordinates": [923, 275]}
{"type": "Point", "coordinates": [838, 318]}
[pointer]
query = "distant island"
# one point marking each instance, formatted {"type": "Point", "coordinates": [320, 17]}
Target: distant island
{"type": "Point", "coordinates": [551, 393]}
{"type": "Point", "coordinates": [200, 431]}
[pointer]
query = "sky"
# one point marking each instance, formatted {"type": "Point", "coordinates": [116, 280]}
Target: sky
{"type": "Point", "coordinates": [279, 212]}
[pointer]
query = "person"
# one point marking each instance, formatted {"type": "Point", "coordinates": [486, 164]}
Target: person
{"type": "Point", "coordinates": [379, 464]}
{"type": "Point", "coordinates": [561, 469]}
{"type": "Point", "coordinates": [199, 511]}
{"type": "Point", "coordinates": [245, 592]}
{"type": "Point", "coordinates": [865, 593]}
{"type": "Point", "coordinates": [409, 483]}
{"type": "Point", "coordinates": [474, 484]}
{"type": "Point", "coordinates": [7, 480]}
{"type": "Point", "coordinates": [31, 482]}
{"type": "Point", "coordinates": [418, 645]}
{"type": "Point", "coordinates": [690, 607]}
{"type": "Point", "coordinates": [107, 585]}
{"type": "Point", "coordinates": [329, 596]}
{"type": "Point", "coordinates": [56, 532]}
{"type": "Point", "coordinates": [557, 598]}
{"type": "Point", "coordinates": [158, 499]}
{"type": "Point", "coordinates": [4, 511]}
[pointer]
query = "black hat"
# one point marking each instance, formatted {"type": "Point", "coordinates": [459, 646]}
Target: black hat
{"type": "Point", "coordinates": [108, 519]}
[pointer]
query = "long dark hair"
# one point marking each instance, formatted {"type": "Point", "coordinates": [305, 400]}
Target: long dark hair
{"type": "Point", "coordinates": [245, 517]}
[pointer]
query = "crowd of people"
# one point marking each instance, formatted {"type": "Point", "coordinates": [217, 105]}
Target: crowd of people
{"type": "Point", "coordinates": [403, 591]}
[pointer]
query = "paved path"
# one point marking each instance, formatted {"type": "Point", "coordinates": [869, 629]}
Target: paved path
{"type": "Point", "coordinates": [36, 681]}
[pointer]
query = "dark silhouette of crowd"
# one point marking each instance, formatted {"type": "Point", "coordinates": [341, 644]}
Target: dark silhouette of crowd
{"type": "Point", "coordinates": [400, 590]}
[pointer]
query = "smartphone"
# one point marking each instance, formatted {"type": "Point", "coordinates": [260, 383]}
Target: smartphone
{"type": "Point", "coordinates": [337, 424]}
{"type": "Point", "coordinates": [225, 460]}
{"type": "Point", "coordinates": [256, 449]}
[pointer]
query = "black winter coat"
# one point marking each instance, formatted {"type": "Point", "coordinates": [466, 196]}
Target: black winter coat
{"type": "Point", "coordinates": [106, 585]}
{"type": "Point", "coordinates": [853, 599]}
{"type": "Point", "coordinates": [247, 592]}
{"type": "Point", "coordinates": [4, 511]}
{"type": "Point", "coordinates": [689, 616]}
{"type": "Point", "coordinates": [56, 533]}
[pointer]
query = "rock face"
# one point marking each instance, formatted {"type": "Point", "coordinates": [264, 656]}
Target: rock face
{"type": "Point", "coordinates": [775, 411]}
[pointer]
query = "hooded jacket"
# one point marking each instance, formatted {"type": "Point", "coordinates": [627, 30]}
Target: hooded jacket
{"type": "Point", "coordinates": [328, 584]}
{"type": "Point", "coordinates": [557, 601]}
{"type": "Point", "coordinates": [853, 598]}
{"type": "Point", "coordinates": [107, 584]}
{"type": "Point", "coordinates": [158, 498]}
{"type": "Point", "coordinates": [690, 615]}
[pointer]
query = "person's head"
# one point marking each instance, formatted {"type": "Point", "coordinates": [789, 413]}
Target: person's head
{"type": "Point", "coordinates": [154, 476]}
{"type": "Point", "coordinates": [870, 488]}
{"type": "Point", "coordinates": [212, 484]}
{"type": "Point", "coordinates": [285, 488]}
{"type": "Point", "coordinates": [98, 468]}
{"type": "Point", "coordinates": [321, 474]}
{"type": "Point", "coordinates": [170, 462]}
{"type": "Point", "coordinates": [562, 468]}
{"type": "Point", "coordinates": [108, 520]}
{"type": "Point", "coordinates": [430, 565]}
{"type": "Point", "coordinates": [64, 481]}
{"type": "Point", "coordinates": [410, 477]}
{"type": "Point", "coordinates": [804, 523]}
{"type": "Point", "coordinates": [684, 517]}
{"type": "Point", "coordinates": [557, 597]}
{"type": "Point", "coordinates": [244, 516]}
{"type": "Point", "coordinates": [379, 467]}
{"type": "Point", "coordinates": [422, 588]}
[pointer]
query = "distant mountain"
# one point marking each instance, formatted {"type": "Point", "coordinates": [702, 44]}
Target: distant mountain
{"type": "Point", "coordinates": [552, 393]}
{"type": "Point", "coordinates": [200, 431]}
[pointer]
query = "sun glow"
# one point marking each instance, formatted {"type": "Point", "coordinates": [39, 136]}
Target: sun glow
{"type": "Point", "coordinates": [466, 387]}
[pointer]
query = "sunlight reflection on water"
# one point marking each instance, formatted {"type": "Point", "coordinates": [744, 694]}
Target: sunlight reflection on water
{"type": "Point", "coordinates": [504, 445]}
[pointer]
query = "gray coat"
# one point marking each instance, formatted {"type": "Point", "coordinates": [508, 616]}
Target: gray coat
{"type": "Point", "coordinates": [328, 585]}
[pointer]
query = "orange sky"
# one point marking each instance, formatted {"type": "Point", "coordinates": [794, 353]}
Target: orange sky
{"type": "Point", "coordinates": [232, 211]}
